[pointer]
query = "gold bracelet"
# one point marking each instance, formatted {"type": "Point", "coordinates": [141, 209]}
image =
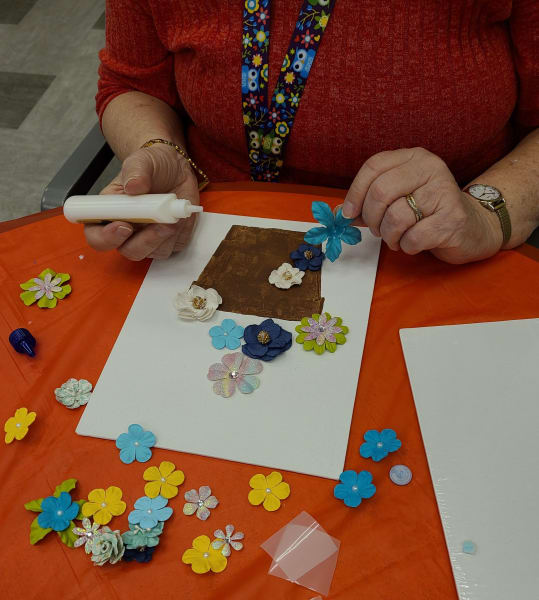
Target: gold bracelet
{"type": "Point", "coordinates": [201, 184]}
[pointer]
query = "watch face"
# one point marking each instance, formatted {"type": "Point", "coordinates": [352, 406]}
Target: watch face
{"type": "Point", "coordinates": [484, 192]}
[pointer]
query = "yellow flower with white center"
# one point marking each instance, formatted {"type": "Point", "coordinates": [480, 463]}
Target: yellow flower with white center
{"type": "Point", "coordinates": [163, 481]}
{"type": "Point", "coordinates": [268, 491]}
{"type": "Point", "coordinates": [203, 557]}
{"type": "Point", "coordinates": [279, 98]}
{"type": "Point", "coordinates": [289, 77]}
{"type": "Point", "coordinates": [16, 427]}
{"type": "Point", "coordinates": [103, 504]}
{"type": "Point", "coordinates": [261, 36]}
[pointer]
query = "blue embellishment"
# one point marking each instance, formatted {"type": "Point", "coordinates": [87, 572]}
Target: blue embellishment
{"type": "Point", "coordinates": [57, 513]}
{"type": "Point", "coordinates": [227, 334]}
{"type": "Point", "coordinates": [149, 511]}
{"type": "Point", "coordinates": [469, 547]}
{"type": "Point", "coordinates": [135, 445]}
{"type": "Point", "coordinates": [378, 445]}
{"type": "Point", "coordinates": [266, 341]}
{"type": "Point", "coordinates": [141, 555]}
{"type": "Point", "coordinates": [354, 487]}
{"type": "Point", "coordinates": [308, 257]}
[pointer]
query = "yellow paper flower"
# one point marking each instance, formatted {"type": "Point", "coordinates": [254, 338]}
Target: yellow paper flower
{"type": "Point", "coordinates": [164, 481]}
{"type": "Point", "coordinates": [16, 427]}
{"type": "Point", "coordinates": [104, 504]}
{"type": "Point", "coordinates": [203, 558]}
{"type": "Point", "coordinates": [269, 490]}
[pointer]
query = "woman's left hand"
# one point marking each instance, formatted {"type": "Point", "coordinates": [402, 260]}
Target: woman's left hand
{"type": "Point", "coordinates": [454, 227]}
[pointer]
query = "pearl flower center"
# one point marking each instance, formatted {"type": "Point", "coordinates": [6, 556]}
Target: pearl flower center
{"type": "Point", "coordinates": [354, 488]}
{"type": "Point", "coordinates": [103, 504]}
{"type": "Point", "coordinates": [163, 480]}
{"type": "Point", "coordinates": [136, 443]}
{"type": "Point", "coordinates": [199, 303]}
{"type": "Point", "coordinates": [268, 490]}
{"type": "Point", "coordinates": [234, 374]}
{"type": "Point", "coordinates": [206, 554]}
{"type": "Point", "coordinates": [263, 337]}
{"type": "Point", "coordinates": [379, 445]}
{"type": "Point", "coordinates": [17, 424]}
{"type": "Point", "coordinates": [149, 511]}
{"type": "Point", "coordinates": [308, 254]}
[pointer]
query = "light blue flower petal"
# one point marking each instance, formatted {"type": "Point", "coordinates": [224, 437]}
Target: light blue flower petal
{"type": "Point", "coordinates": [351, 235]}
{"type": "Point", "coordinates": [45, 520]}
{"type": "Point", "coordinates": [364, 478]}
{"type": "Point", "coordinates": [316, 235]}
{"type": "Point", "coordinates": [323, 213]}
{"type": "Point", "coordinates": [393, 445]}
{"type": "Point", "coordinates": [147, 439]}
{"type": "Point", "coordinates": [219, 342]}
{"type": "Point", "coordinates": [368, 491]}
{"type": "Point", "coordinates": [163, 514]}
{"type": "Point", "coordinates": [123, 440]}
{"type": "Point", "coordinates": [157, 503]}
{"type": "Point", "coordinates": [142, 454]}
{"type": "Point", "coordinates": [333, 248]}
{"type": "Point", "coordinates": [148, 521]}
{"type": "Point", "coordinates": [340, 220]}
{"type": "Point", "coordinates": [228, 325]}
{"type": "Point", "coordinates": [134, 516]}
{"type": "Point", "coordinates": [72, 511]}
{"type": "Point", "coordinates": [340, 491]}
{"type": "Point", "coordinates": [372, 436]}
{"type": "Point", "coordinates": [135, 431]}
{"type": "Point", "coordinates": [237, 332]}
{"type": "Point", "coordinates": [49, 503]}
{"type": "Point", "coordinates": [216, 331]}
{"type": "Point", "coordinates": [143, 503]}
{"type": "Point", "coordinates": [386, 435]}
{"type": "Point", "coordinates": [232, 342]}
{"type": "Point", "coordinates": [379, 453]}
{"type": "Point", "coordinates": [348, 477]}
{"type": "Point", "coordinates": [127, 454]}
{"type": "Point", "coordinates": [366, 449]}
{"type": "Point", "coordinates": [64, 500]}
{"type": "Point", "coordinates": [352, 500]}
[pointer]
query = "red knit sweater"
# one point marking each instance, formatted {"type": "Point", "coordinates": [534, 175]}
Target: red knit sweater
{"type": "Point", "coordinates": [453, 76]}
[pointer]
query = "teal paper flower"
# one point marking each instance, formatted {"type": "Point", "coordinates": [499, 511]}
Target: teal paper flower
{"type": "Point", "coordinates": [149, 511]}
{"type": "Point", "coordinates": [227, 334]}
{"type": "Point", "coordinates": [354, 487]}
{"type": "Point", "coordinates": [137, 537]}
{"type": "Point", "coordinates": [58, 512]}
{"type": "Point", "coordinates": [378, 445]}
{"type": "Point", "coordinates": [135, 445]}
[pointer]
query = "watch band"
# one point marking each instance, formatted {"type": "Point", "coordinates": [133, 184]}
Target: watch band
{"type": "Point", "coordinates": [505, 222]}
{"type": "Point", "coordinates": [499, 207]}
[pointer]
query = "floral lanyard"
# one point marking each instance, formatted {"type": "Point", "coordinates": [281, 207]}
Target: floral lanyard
{"type": "Point", "coordinates": [267, 127]}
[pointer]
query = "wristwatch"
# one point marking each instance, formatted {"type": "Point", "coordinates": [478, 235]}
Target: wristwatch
{"type": "Point", "coordinates": [491, 198]}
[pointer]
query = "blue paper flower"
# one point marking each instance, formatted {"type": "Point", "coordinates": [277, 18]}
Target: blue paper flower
{"type": "Point", "coordinates": [135, 444]}
{"type": "Point", "coordinates": [354, 487]}
{"type": "Point", "coordinates": [266, 341]}
{"type": "Point", "coordinates": [149, 511]}
{"type": "Point", "coordinates": [309, 257]}
{"type": "Point", "coordinates": [57, 512]}
{"type": "Point", "coordinates": [378, 445]}
{"type": "Point", "coordinates": [228, 334]}
{"type": "Point", "coordinates": [336, 229]}
{"type": "Point", "coordinates": [141, 555]}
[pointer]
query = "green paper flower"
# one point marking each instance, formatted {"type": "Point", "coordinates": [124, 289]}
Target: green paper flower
{"type": "Point", "coordinates": [74, 392]}
{"type": "Point", "coordinates": [137, 536]}
{"type": "Point", "coordinates": [45, 289]}
{"type": "Point", "coordinates": [321, 332]}
{"type": "Point", "coordinates": [107, 546]}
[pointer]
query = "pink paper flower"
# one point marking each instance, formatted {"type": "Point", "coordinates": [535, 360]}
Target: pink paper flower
{"type": "Point", "coordinates": [236, 370]}
{"type": "Point", "coordinates": [199, 502]}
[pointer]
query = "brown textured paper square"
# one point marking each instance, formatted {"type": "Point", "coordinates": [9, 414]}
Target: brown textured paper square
{"type": "Point", "coordinates": [241, 265]}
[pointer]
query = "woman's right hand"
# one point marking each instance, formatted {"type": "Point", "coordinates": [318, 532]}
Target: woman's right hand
{"type": "Point", "coordinates": [157, 169]}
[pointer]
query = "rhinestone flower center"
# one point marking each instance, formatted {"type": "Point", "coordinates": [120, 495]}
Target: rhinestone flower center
{"type": "Point", "coordinates": [199, 303]}
{"type": "Point", "coordinates": [263, 337]}
{"type": "Point", "coordinates": [234, 374]}
{"type": "Point", "coordinates": [308, 254]}
{"type": "Point", "coordinates": [200, 503]}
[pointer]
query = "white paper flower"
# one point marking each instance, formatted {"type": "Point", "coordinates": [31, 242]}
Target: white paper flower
{"type": "Point", "coordinates": [74, 393]}
{"type": "Point", "coordinates": [286, 276]}
{"type": "Point", "coordinates": [46, 286]}
{"type": "Point", "coordinates": [225, 541]}
{"type": "Point", "coordinates": [197, 303]}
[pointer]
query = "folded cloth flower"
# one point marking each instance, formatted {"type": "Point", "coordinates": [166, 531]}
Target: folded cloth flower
{"type": "Point", "coordinates": [57, 512]}
{"type": "Point", "coordinates": [203, 558]}
{"type": "Point", "coordinates": [104, 504]}
{"type": "Point", "coordinates": [135, 444]}
{"type": "Point", "coordinates": [46, 289]}
{"type": "Point", "coordinates": [235, 370]}
{"type": "Point", "coordinates": [16, 427]}
{"type": "Point", "coordinates": [149, 511]}
{"type": "Point", "coordinates": [224, 541]}
{"type": "Point", "coordinates": [196, 303]}
{"type": "Point", "coordinates": [378, 445]}
{"type": "Point", "coordinates": [74, 393]}
{"type": "Point", "coordinates": [138, 537]}
{"type": "Point", "coordinates": [199, 502]}
{"type": "Point", "coordinates": [164, 481]}
{"type": "Point", "coordinates": [227, 334]}
{"type": "Point", "coordinates": [107, 547]}
{"type": "Point", "coordinates": [268, 490]}
{"type": "Point", "coordinates": [321, 332]}
{"type": "Point", "coordinates": [266, 341]}
{"type": "Point", "coordinates": [286, 276]}
{"type": "Point", "coordinates": [141, 555]}
{"type": "Point", "coordinates": [354, 487]}
{"type": "Point", "coordinates": [85, 534]}
{"type": "Point", "coordinates": [308, 257]}
{"type": "Point", "coordinates": [336, 229]}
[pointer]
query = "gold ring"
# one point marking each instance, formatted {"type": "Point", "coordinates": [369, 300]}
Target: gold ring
{"type": "Point", "coordinates": [411, 203]}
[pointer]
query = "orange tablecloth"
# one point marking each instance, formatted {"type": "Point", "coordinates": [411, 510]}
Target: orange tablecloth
{"type": "Point", "coordinates": [392, 546]}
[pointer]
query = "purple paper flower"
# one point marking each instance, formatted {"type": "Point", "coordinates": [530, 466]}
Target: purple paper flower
{"type": "Point", "coordinates": [308, 257]}
{"type": "Point", "coordinates": [149, 511]}
{"type": "Point", "coordinates": [266, 341]}
{"type": "Point", "coordinates": [199, 502]}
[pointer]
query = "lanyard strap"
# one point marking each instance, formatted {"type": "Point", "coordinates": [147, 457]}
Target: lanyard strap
{"type": "Point", "coordinates": [267, 128]}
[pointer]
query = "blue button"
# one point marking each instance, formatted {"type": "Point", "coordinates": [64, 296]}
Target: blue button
{"type": "Point", "coordinates": [400, 475]}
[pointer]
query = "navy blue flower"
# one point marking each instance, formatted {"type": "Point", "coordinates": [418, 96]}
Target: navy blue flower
{"type": "Point", "coordinates": [141, 555]}
{"type": "Point", "coordinates": [308, 257]}
{"type": "Point", "coordinates": [378, 445]}
{"type": "Point", "coordinates": [266, 341]}
{"type": "Point", "coordinates": [57, 513]}
{"type": "Point", "coordinates": [354, 487]}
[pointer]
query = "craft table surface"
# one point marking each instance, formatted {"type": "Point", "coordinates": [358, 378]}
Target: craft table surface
{"type": "Point", "coordinates": [392, 546]}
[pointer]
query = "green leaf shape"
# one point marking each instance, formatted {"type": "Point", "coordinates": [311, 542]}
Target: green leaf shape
{"type": "Point", "coordinates": [28, 297]}
{"type": "Point", "coordinates": [304, 321]}
{"type": "Point", "coordinates": [319, 349]}
{"type": "Point", "coordinates": [44, 302]}
{"type": "Point", "coordinates": [299, 328]}
{"type": "Point", "coordinates": [316, 316]}
{"type": "Point", "coordinates": [328, 316]}
{"type": "Point", "coordinates": [63, 278]}
{"type": "Point", "coordinates": [65, 486]}
{"type": "Point", "coordinates": [301, 338]}
{"type": "Point", "coordinates": [80, 503]}
{"type": "Point", "coordinates": [331, 346]}
{"type": "Point", "coordinates": [34, 505]}
{"type": "Point", "coordinates": [345, 329]}
{"type": "Point", "coordinates": [37, 532]}
{"type": "Point", "coordinates": [340, 338]}
{"type": "Point", "coordinates": [309, 345]}
{"type": "Point", "coordinates": [65, 291]}
{"type": "Point", "coordinates": [46, 272]}
{"type": "Point", "coordinates": [67, 536]}
{"type": "Point", "coordinates": [28, 284]}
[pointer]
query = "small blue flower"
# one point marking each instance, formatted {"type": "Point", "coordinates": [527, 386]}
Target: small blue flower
{"type": "Point", "coordinates": [228, 334]}
{"type": "Point", "coordinates": [378, 445]}
{"type": "Point", "coordinates": [354, 487]}
{"type": "Point", "coordinates": [266, 341]}
{"type": "Point", "coordinates": [149, 511]}
{"type": "Point", "coordinates": [141, 555]}
{"type": "Point", "coordinates": [57, 512]}
{"type": "Point", "coordinates": [308, 257]}
{"type": "Point", "coordinates": [135, 444]}
{"type": "Point", "coordinates": [336, 229]}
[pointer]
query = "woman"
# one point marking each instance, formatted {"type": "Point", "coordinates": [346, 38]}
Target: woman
{"type": "Point", "coordinates": [403, 103]}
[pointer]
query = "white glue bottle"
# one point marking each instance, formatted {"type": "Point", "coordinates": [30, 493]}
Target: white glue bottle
{"type": "Point", "coordinates": [145, 208]}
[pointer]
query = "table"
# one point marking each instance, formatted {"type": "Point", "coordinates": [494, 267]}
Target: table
{"type": "Point", "coordinates": [392, 546]}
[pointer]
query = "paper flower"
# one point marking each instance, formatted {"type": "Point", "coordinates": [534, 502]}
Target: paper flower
{"type": "Point", "coordinates": [199, 502]}
{"type": "Point", "coordinates": [227, 334]}
{"type": "Point", "coordinates": [235, 370]}
{"type": "Point", "coordinates": [266, 341]}
{"type": "Point", "coordinates": [225, 541]}
{"type": "Point", "coordinates": [107, 547]}
{"type": "Point", "coordinates": [85, 534]}
{"type": "Point", "coordinates": [378, 445]}
{"type": "Point", "coordinates": [74, 393]}
{"type": "Point", "coordinates": [308, 257]}
{"type": "Point", "coordinates": [268, 491]}
{"type": "Point", "coordinates": [103, 505]}
{"type": "Point", "coordinates": [135, 444]}
{"type": "Point", "coordinates": [137, 537]}
{"type": "Point", "coordinates": [196, 303]}
{"type": "Point", "coordinates": [354, 487]}
{"type": "Point", "coordinates": [141, 555]}
{"type": "Point", "coordinates": [321, 332]}
{"type": "Point", "coordinates": [163, 481]}
{"type": "Point", "coordinates": [336, 229]}
{"type": "Point", "coordinates": [203, 558]}
{"type": "Point", "coordinates": [286, 276]}
{"type": "Point", "coordinates": [149, 511]}
{"type": "Point", "coordinates": [45, 289]}
{"type": "Point", "coordinates": [16, 427]}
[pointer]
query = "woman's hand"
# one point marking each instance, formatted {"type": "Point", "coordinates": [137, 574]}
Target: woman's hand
{"type": "Point", "coordinates": [154, 170]}
{"type": "Point", "coordinates": [454, 227]}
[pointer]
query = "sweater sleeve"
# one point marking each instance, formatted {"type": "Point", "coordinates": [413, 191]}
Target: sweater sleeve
{"type": "Point", "coordinates": [524, 25]}
{"type": "Point", "coordinates": [133, 59]}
